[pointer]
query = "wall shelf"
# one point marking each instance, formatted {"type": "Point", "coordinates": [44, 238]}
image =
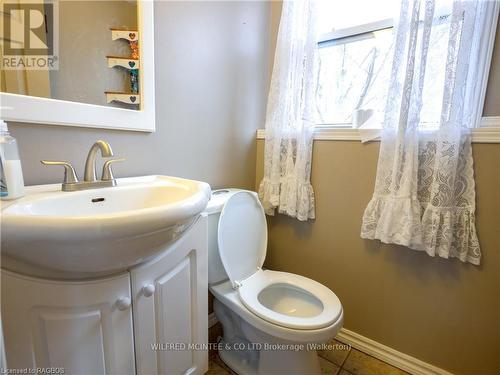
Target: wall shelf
{"type": "Point", "coordinates": [130, 35]}
{"type": "Point", "coordinates": [130, 63]}
{"type": "Point", "coordinates": [122, 97]}
{"type": "Point", "coordinates": [124, 62]}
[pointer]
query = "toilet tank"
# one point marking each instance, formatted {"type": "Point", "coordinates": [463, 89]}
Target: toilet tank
{"type": "Point", "coordinates": [216, 271]}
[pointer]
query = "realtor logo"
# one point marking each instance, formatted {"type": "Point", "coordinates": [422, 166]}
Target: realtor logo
{"type": "Point", "coordinates": [30, 34]}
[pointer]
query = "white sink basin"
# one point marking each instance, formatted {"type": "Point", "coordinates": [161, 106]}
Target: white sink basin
{"type": "Point", "coordinates": [100, 231]}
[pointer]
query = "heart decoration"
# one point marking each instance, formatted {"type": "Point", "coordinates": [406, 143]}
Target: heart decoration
{"type": "Point", "coordinates": [131, 36]}
{"type": "Point", "coordinates": [133, 99]}
{"type": "Point", "coordinates": [131, 64]}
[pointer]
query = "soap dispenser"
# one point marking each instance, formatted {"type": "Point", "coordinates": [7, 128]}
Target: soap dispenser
{"type": "Point", "coordinates": [11, 176]}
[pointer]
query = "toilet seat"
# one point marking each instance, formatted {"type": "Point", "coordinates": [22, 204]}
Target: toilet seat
{"type": "Point", "coordinates": [226, 295]}
{"type": "Point", "coordinates": [242, 236]}
{"type": "Point", "coordinates": [284, 299]}
{"type": "Point", "coordinates": [290, 300]}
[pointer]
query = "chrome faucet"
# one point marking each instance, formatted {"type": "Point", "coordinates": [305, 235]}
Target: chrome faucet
{"type": "Point", "coordinates": [106, 152]}
{"type": "Point", "coordinates": [90, 181]}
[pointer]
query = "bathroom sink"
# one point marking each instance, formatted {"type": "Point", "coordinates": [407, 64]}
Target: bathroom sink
{"type": "Point", "coordinates": [97, 232]}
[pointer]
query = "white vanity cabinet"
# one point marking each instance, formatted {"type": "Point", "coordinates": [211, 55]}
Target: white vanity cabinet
{"type": "Point", "coordinates": [169, 296]}
{"type": "Point", "coordinates": [149, 320]}
{"type": "Point", "coordinates": [84, 327]}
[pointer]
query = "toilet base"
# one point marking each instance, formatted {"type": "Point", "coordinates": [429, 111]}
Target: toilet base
{"type": "Point", "coordinates": [299, 362]}
{"type": "Point", "coordinates": [273, 362]}
{"type": "Point", "coordinates": [249, 351]}
{"type": "Point", "coordinates": [237, 361]}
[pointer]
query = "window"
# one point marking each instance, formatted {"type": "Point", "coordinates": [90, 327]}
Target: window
{"type": "Point", "coordinates": [354, 70]}
{"type": "Point", "coordinates": [356, 52]}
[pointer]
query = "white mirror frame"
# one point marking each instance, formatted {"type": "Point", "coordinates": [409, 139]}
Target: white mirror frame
{"type": "Point", "coordinates": [30, 109]}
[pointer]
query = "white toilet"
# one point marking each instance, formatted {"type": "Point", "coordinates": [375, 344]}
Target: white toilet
{"type": "Point", "coordinates": [270, 319]}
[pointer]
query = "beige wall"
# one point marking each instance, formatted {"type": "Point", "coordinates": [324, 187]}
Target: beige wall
{"type": "Point", "coordinates": [440, 311]}
{"type": "Point", "coordinates": [275, 15]}
{"type": "Point", "coordinates": [211, 82]}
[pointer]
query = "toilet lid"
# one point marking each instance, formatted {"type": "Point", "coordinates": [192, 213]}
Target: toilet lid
{"type": "Point", "coordinates": [242, 236]}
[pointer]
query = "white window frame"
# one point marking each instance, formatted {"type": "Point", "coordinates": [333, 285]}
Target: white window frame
{"type": "Point", "coordinates": [348, 32]}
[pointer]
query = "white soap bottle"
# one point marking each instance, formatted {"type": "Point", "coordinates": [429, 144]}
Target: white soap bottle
{"type": "Point", "coordinates": [11, 176]}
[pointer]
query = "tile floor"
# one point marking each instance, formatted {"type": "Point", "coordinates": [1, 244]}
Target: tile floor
{"type": "Point", "coordinates": [340, 360]}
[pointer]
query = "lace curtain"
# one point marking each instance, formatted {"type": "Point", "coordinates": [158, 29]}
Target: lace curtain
{"type": "Point", "coordinates": [286, 184]}
{"type": "Point", "coordinates": [424, 191]}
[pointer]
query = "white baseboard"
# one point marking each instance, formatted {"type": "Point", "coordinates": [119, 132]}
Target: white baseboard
{"type": "Point", "coordinates": [391, 356]}
{"type": "Point", "coordinates": [400, 360]}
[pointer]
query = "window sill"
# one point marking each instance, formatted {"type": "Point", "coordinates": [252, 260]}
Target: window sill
{"type": "Point", "coordinates": [489, 132]}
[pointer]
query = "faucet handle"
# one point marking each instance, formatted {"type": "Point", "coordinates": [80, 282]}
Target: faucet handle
{"type": "Point", "coordinates": [107, 170]}
{"type": "Point", "coordinates": [69, 172]}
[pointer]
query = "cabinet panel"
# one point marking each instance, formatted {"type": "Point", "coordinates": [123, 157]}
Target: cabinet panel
{"type": "Point", "coordinates": [173, 315]}
{"type": "Point", "coordinates": [170, 307]}
{"type": "Point", "coordinates": [85, 349]}
{"type": "Point", "coordinates": [74, 325]}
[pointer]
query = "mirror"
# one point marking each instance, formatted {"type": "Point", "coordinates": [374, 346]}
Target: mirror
{"type": "Point", "coordinates": [91, 62]}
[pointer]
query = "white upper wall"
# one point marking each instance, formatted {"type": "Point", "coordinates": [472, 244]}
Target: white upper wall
{"type": "Point", "coordinates": [211, 88]}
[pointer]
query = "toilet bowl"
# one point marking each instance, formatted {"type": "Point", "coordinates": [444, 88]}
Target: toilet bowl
{"type": "Point", "coordinates": [270, 319]}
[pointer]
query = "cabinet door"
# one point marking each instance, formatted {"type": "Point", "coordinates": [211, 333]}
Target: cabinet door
{"type": "Point", "coordinates": [83, 327]}
{"type": "Point", "coordinates": [170, 307]}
